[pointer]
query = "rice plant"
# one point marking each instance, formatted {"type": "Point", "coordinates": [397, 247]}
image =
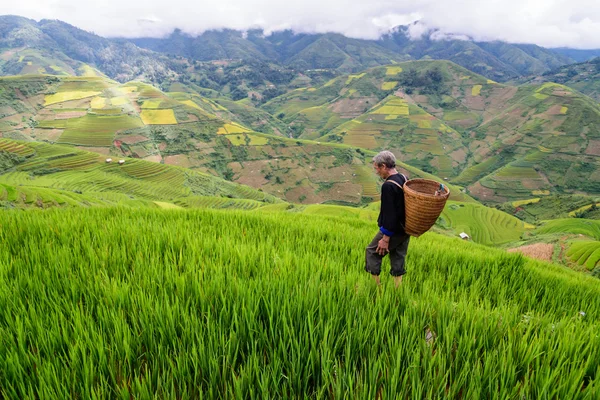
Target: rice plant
{"type": "Point", "coordinates": [121, 303]}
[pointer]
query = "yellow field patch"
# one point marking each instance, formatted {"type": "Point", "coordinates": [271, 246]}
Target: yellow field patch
{"type": "Point", "coordinates": [388, 85]}
{"type": "Point", "coordinates": [167, 206]}
{"type": "Point", "coordinates": [476, 90]}
{"type": "Point", "coordinates": [464, 77]}
{"type": "Point", "coordinates": [158, 117]}
{"type": "Point", "coordinates": [127, 89]}
{"type": "Point", "coordinates": [21, 58]}
{"type": "Point", "coordinates": [388, 117]}
{"type": "Point", "coordinates": [519, 203]}
{"type": "Point", "coordinates": [353, 77]}
{"type": "Point", "coordinates": [351, 91]}
{"type": "Point", "coordinates": [544, 149]}
{"type": "Point", "coordinates": [564, 109]}
{"type": "Point", "coordinates": [29, 63]}
{"type": "Point", "coordinates": [98, 102]}
{"type": "Point", "coordinates": [580, 209]}
{"type": "Point", "coordinates": [151, 103]}
{"type": "Point", "coordinates": [191, 104]}
{"type": "Point", "coordinates": [540, 96]}
{"type": "Point", "coordinates": [119, 101]}
{"type": "Point", "coordinates": [393, 70]}
{"type": "Point", "coordinates": [41, 70]}
{"type": "Point", "coordinates": [312, 89]}
{"type": "Point", "coordinates": [232, 128]}
{"type": "Point", "coordinates": [423, 124]}
{"type": "Point", "coordinates": [247, 140]}
{"type": "Point", "coordinates": [541, 193]}
{"type": "Point", "coordinates": [395, 110]}
{"type": "Point", "coordinates": [66, 96]}
{"type": "Point", "coordinates": [528, 226]}
{"type": "Point", "coordinates": [330, 82]}
{"type": "Point", "coordinates": [491, 82]}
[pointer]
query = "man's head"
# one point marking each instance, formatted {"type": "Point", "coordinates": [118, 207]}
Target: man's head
{"type": "Point", "coordinates": [384, 163]}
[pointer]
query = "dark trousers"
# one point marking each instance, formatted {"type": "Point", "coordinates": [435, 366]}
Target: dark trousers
{"type": "Point", "coordinates": [397, 250]}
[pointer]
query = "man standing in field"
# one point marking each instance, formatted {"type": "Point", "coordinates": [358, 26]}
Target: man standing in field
{"type": "Point", "coordinates": [391, 238]}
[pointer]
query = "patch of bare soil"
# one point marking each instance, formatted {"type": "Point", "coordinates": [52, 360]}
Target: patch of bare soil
{"type": "Point", "coordinates": [69, 114]}
{"type": "Point", "coordinates": [540, 251]}
{"type": "Point", "coordinates": [593, 148]}
{"type": "Point", "coordinates": [132, 139]}
{"type": "Point", "coordinates": [352, 108]}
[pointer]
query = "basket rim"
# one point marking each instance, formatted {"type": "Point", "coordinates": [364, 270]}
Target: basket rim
{"type": "Point", "coordinates": [412, 191]}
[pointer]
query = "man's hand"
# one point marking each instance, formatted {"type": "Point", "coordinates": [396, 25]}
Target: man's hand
{"type": "Point", "coordinates": [383, 246]}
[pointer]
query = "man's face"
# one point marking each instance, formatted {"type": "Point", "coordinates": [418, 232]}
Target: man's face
{"type": "Point", "coordinates": [380, 170]}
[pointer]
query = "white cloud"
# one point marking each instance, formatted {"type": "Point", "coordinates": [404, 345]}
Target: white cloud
{"type": "Point", "coordinates": [550, 23]}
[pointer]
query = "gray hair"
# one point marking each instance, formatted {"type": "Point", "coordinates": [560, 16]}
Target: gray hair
{"type": "Point", "coordinates": [386, 158]}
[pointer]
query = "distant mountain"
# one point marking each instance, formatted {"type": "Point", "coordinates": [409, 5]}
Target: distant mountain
{"type": "Point", "coordinates": [56, 48]}
{"type": "Point", "coordinates": [496, 60]}
{"type": "Point", "coordinates": [578, 55]}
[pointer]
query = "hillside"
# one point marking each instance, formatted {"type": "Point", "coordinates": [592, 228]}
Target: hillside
{"type": "Point", "coordinates": [57, 48]}
{"type": "Point", "coordinates": [583, 77]}
{"type": "Point", "coordinates": [166, 298]}
{"type": "Point", "coordinates": [501, 142]}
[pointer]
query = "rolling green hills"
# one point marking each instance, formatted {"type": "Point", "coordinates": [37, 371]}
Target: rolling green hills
{"type": "Point", "coordinates": [503, 143]}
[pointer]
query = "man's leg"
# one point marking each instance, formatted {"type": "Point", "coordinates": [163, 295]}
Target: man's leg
{"type": "Point", "coordinates": [398, 249]}
{"type": "Point", "coordinates": [372, 259]}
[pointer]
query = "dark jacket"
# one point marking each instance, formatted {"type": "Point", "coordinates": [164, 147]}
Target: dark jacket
{"type": "Point", "coordinates": [391, 214]}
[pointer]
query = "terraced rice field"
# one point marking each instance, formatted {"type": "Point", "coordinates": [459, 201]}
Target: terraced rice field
{"type": "Point", "coordinates": [61, 97]}
{"type": "Point", "coordinates": [367, 179]}
{"type": "Point", "coordinates": [585, 253]}
{"type": "Point", "coordinates": [518, 173]}
{"type": "Point", "coordinates": [97, 130]}
{"type": "Point", "coordinates": [11, 146]}
{"type": "Point", "coordinates": [219, 203]}
{"type": "Point", "coordinates": [519, 203]}
{"type": "Point", "coordinates": [158, 117]}
{"type": "Point", "coordinates": [576, 226]}
{"type": "Point", "coordinates": [485, 225]}
{"type": "Point", "coordinates": [388, 85]}
{"type": "Point", "coordinates": [476, 90]}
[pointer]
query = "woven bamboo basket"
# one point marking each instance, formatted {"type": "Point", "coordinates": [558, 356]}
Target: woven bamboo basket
{"type": "Point", "coordinates": [422, 206]}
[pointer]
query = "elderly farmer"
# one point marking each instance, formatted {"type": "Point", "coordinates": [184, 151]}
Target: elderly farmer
{"type": "Point", "coordinates": [391, 237]}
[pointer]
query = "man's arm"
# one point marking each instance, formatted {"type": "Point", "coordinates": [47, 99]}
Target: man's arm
{"type": "Point", "coordinates": [389, 214]}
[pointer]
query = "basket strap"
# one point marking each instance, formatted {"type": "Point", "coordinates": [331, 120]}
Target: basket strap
{"type": "Point", "coordinates": [397, 184]}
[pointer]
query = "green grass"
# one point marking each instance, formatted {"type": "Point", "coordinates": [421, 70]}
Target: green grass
{"type": "Point", "coordinates": [219, 304]}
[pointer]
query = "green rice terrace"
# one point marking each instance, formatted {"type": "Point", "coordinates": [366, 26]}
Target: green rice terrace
{"type": "Point", "coordinates": [115, 302]}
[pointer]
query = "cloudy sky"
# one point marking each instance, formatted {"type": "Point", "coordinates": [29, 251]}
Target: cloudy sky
{"type": "Point", "coordinates": [549, 23]}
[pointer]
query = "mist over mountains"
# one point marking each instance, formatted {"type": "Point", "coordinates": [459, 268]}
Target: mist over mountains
{"type": "Point", "coordinates": [151, 58]}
